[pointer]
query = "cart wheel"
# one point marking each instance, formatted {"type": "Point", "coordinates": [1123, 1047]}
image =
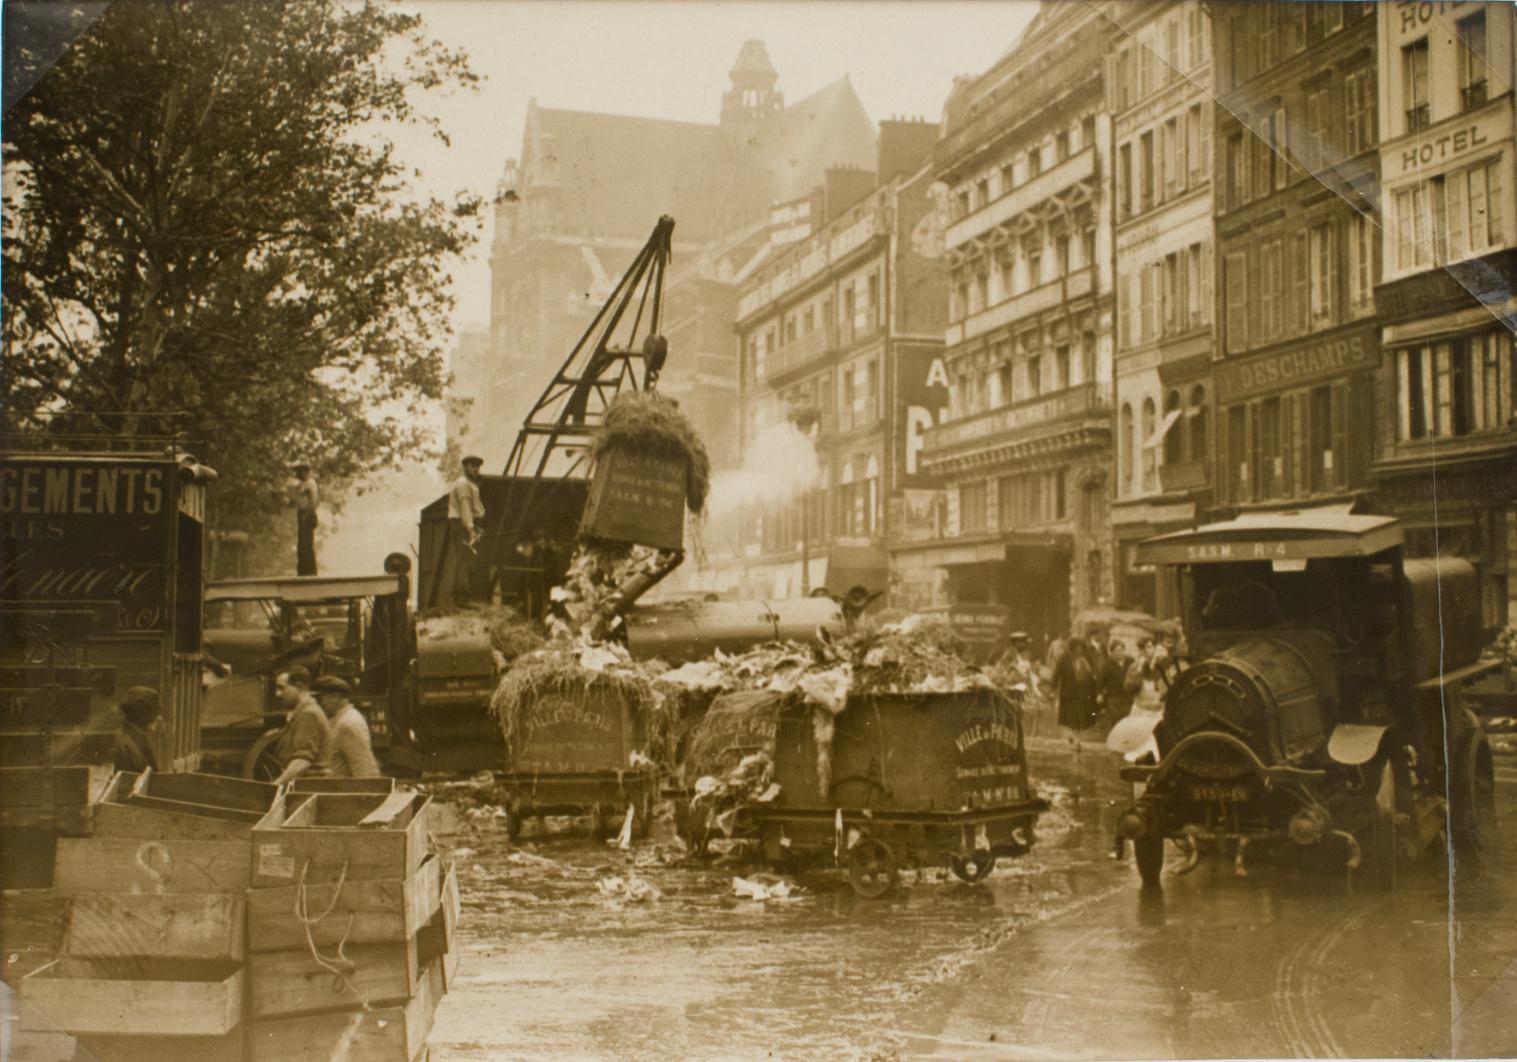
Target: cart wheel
{"type": "Point", "coordinates": [1472, 811]}
{"type": "Point", "coordinates": [260, 763]}
{"type": "Point", "coordinates": [974, 867]}
{"type": "Point", "coordinates": [871, 868]}
{"type": "Point", "coordinates": [1149, 851]}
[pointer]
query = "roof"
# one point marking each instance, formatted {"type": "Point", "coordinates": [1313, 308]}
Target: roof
{"type": "Point", "coordinates": [303, 589]}
{"type": "Point", "coordinates": [1275, 536]}
{"type": "Point", "coordinates": [828, 128]}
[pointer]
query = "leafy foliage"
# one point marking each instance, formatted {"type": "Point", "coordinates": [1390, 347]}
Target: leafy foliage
{"type": "Point", "coordinates": [203, 216]}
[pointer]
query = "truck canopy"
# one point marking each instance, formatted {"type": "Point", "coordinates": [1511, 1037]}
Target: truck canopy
{"type": "Point", "coordinates": [1275, 536]}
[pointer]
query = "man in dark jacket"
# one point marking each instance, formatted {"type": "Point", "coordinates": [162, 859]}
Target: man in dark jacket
{"type": "Point", "coordinates": [1118, 684]}
{"type": "Point", "coordinates": [1075, 680]}
{"type": "Point", "coordinates": [140, 712]}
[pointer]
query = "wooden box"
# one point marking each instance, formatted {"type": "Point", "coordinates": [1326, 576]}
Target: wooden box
{"type": "Point", "coordinates": [342, 785]}
{"type": "Point", "coordinates": [638, 499]}
{"type": "Point", "coordinates": [150, 865]}
{"type": "Point", "coordinates": [287, 983]}
{"type": "Point", "coordinates": [363, 912]}
{"type": "Point", "coordinates": [172, 926]}
{"type": "Point", "coordinates": [184, 807]}
{"type": "Point", "coordinates": [170, 998]}
{"type": "Point", "coordinates": [229, 1048]}
{"type": "Point", "coordinates": [384, 1034]}
{"type": "Point", "coordinates": [438, 939]}
{"type": "Point", "coordinates": [62, 797]}
{"type": "Point", "coordinates": [355, 837]}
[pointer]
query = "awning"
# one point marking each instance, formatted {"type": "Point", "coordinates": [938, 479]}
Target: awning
{"type": "Point", "coordinates": [969, 553]}
{"type": "Point", "coordinates": [1275, 536]}
{"type": "Point", "coordinates": [303, 589]}
{"type": "Point", "coordinates": [1163, 429]}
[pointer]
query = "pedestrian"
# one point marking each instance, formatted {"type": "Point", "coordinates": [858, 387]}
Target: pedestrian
{"type": "Point", "coordinates": [140, 712]}
{"type": "Point", "coordinates": [302, 743]}
{"type": "Point", "coordinates": [1118, 683]}
{"type": "Point", "coordinates": [304, 496]}
{"type": "Point", "coordinates": [1075, 681]}
{"type": "Point", "coordinates": [349, 750]}
{"type": "Point", "coordinates": [466, 514]}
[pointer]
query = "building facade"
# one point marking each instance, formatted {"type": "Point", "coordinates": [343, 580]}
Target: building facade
{"type": "Point", "coordinates": [832, 332]}
{"type": "Point", "coordinates": [1447, 443]}
{"type": "Point", "coordinates": [1298, 252]}
{"type": "Point", "coordinates": [1158, 90]}
{"type": "Point", "coordinates": [1023, 450]}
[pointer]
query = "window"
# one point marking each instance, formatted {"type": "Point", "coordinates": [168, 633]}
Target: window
{"type": "Point", "coordinates": [1456, 387]}
{"type": "Point", "coordinates": [1124, 178]}
{"type": "Point", "coordinates": [1004, 385]}
{"type": "Point", "coordinates": [1035, 375]}
{"type": "Point", "coordinates": [1332, 19]}
{"type": "Point", "coordinates": [1146, 160]}
{"type": "Point", "coordinates": [1237, 453]}
{"type": "Point", "coordinates": [1325, 433]}
{"type": "Point", "coordinates": [1474, 205]}
{"type": "Point", "coordinates": [1271, 292]}
{"type": "Point", "coordinates": [1145, 305]}
{"type": "Point", "coordinates": [1472, 62]}
{"type": "Point", "coordinates": [981, 292]}
{"type": "Point", "coordinates": [972, 498]}
{"type": "Point", "coordinates": [1277, 148]}
{"type": "Point", "coordinates": [1087, 131]}
{"type": "Point", "coordinates": [1193, 314]}
{"type": "Point", "coordinates": [962, 200]}
{"type": "Point", "coordinates": [1317, 139]}
{"type": "Point", "coordinates": [1126, 443]}
{"type": "Point", "coordinates": [1008, 503]}
{"type": "Point", "coordinates": [1193, 147]}
{"type": "Point", "coordinates": [1197, 28]}
{"type": "Point", "coordinates": [1061, 249]}
{"type": "Point", "coordinates": [1301, 280]}
{"type": "Point", "coordinates": [871, 390]}
{"type": "Point", "coordinates": [1361, 270]}
{"type": "Point", "coordinates": [1414, 83]}
{"type": "Point", "coordinates": [1150, 450]}
{"type": "Point", "coordinates": [1269, 35]}
{"type": "Point", "coordinates": [982, 191]}
{"type": "Point", "coordinates": [1199, 445]}
{"type": "Point", "coordinates": [1359, 110]}
{"type": "Point", "coordinates": [1174, 164]}
{"type": "Point", "coordinates": [1323, 309]}
{"type": "Point", "coordinates": [1034, 162]}
{"type": "Point", "coordinates": [873, 309]}
{"type": "Point", "coordinates": [1171, 49]}
{"type": "Point", "coordinates": [808, 321]}
{"type": "Point", "coordinates": [1124, 79]}
{"type": "Point", "coordinates": [1174, 437]}
{"type": "Point", "coordinates": [1237, 39]}
{"type": "Point", "coordinates": [1008, 179]}
{"type": "Point", "coordinates": [1061, 368]}
{"type": "Point", "coordinates": [1413, 249]}
{"type": "Point", "coordinates": [1034, 268]}
{"type": "Point", "coordinates": [1170, 298]}
{"type": "Point", "coordinates": [1235, 281]}
{"type": "Point", "coordinates": [1268, 453]}
{"type": "Point", "coordinates": [1061, 146]}
{"type": "Point", "coordinates": [1088, 247]}
{"type": "Point", "coordinates": [1237, 172]}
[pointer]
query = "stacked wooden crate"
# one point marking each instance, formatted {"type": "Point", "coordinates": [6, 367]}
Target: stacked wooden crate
{"type": "Point", "coordinates": [152, 959]}
{"type": "Point", "coordinates": [350, 928]}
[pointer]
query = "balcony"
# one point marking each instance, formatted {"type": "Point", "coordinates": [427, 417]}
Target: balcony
{"type": "Point", "coordinates": [802, 351]}
{"type": "Point", "coordinates": [1473, 95]}
{"type": "Point", "coordinates": [963, 433]}
{"type": "Point", "coordinates": [1074, 285]}
{"type": "Point", "coordinates": [1081, 166]}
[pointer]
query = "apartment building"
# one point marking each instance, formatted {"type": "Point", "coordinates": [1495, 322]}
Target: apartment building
{"type": "Point", "coordinates": [1447, 442]}
{"type": "Point", "coordinates": [1158, 90]}
{"type": "Point", "coordinates": [1298, 249]}
{"type": "Point", "coordinates": [1024, 449]}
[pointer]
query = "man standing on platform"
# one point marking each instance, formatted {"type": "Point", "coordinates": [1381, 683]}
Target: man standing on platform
{"type": "Point", "coordinates": [350, 750]}
{"type": "Point", "coordinates": [466, 514]}
{"type": "Point", "coordinates": [304, 497]}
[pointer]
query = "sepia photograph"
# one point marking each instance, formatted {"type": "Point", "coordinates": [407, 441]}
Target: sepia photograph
{"type": "Point", "coordinates": [758, 529]}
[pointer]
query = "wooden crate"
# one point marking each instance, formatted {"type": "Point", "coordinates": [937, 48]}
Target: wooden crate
{"type": "Point", "coordinates": [150, 865]}
{"type": "Point", "coordinates": [229, 1048]}
{"type": "Point", "coordinates": [201, 807]}
{"type": "Point", "coordinates": [60, 797]}
{"type": "Point", "coordinates": [174, 998]}
{"type": "Point", "coordinates": [438, 939]}
{"type": "Point", "coordinates": [342, 785]}
{"type": "Point", "coordinates": [358, 837]}
{"type": "Point", "coordinates": [173, 926]}
{"type": "Point", "coordinates": [69, 747]}
{"type": "Point", "coordinates": [363, 912]}
{"type": "Point", "coordinates": [384, 1034]}
{"type": "Point", "coordinates": [286, 983]}
{"type": "Point", "coordinates": [32, 923]}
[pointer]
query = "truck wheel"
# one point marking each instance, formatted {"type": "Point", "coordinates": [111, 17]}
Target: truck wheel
{"type": "Point", "coordinates": [871, 868]}
{"type": "Point", "coordinates": [1149, 853]}
{"type": "Point", "coordinates": [974, 867]}
{"type": "Point", "coordinates": [1472, 798]}
{"type": "Point", "coordinates": [260, 762]}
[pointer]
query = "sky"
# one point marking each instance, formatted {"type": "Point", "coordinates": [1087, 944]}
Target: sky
{"type": "Point", "coordinates": [670, 60]}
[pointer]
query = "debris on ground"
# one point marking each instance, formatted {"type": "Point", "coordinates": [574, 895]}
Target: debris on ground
{"type": "Point", "coordinates": [765, 887]}
{"type": "Point", "coordinates": [631, 889]}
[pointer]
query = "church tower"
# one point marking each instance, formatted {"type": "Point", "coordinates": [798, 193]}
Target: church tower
{"type": "Point", "coordinates": [752, 97]}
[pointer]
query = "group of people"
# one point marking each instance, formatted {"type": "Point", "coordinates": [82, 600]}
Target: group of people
{"type": "Point", "coordinates": [1098, 685]}
{"type": "Point", "coordinates": [323, 736]}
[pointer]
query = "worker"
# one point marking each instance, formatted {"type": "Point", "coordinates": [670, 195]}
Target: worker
{"type": "Point", "coordinates": [466, 514]}
{"type": "Point", "coordinates": [140, 712]}
{"type": "Point", "coordinates": [302, 743]}
{"type": "Point", "coordinates": [304, 497]}
{"type": "Point", "coordinates": [349, 751]}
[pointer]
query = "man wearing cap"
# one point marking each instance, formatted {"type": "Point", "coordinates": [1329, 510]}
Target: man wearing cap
{"type": "Point", "coordinates": [303, 741]}
{"type": "Point", "coordinates": [140, 712]}
{"type": "Point", "coordinates": [466, 514]}
{"type": "Point", "coordinates": [304, 497]}
{"type": "Point", "coordinates": [349, 751]}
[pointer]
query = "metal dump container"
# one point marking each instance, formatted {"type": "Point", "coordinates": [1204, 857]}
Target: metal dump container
{"type": "Point", "coordinates": [906, 779]}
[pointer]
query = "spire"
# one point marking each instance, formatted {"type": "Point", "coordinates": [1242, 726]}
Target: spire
{"type": "Point", "coordinates": [752, 96]}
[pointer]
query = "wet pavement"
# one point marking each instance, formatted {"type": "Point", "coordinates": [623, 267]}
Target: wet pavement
{"type": "Point", "coordinates": [576, 951]}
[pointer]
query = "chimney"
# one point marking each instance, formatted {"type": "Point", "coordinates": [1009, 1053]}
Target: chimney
{"type": "Point", "coordinates": [905, 144]}
{"type": "Point", "coordinates": [843, 186]}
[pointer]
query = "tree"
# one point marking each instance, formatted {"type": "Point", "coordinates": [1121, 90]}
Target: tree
{"type": "Point", "coordinates": [203, 215]}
